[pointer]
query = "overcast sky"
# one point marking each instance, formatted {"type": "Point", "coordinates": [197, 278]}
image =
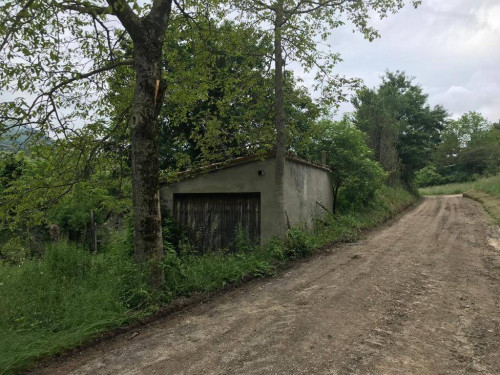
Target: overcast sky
{"type": "Point", "coordinates": [451, 47]}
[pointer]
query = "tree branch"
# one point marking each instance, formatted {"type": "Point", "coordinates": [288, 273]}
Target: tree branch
{"type": "Point", "coordinates": [87, 75]}
{"type": "Point", "coordinates": [314, 5]}
{"type": "Point", "coordinates": [130, 21]}
{"type": "Point", "coordinates": [184, 12]}
{"type": "Point", "coordinates": [264, 5]}
{"type": "Point", "coordinates": [15, 23]}
{"type": "Point", "coordinates": [92, 10]}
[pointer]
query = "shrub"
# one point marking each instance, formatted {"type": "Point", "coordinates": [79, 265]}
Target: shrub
{"type": "Point", "coordinates": [298, 243]}
{"type": "Point", "coordinates": [13, 251]}
{"type": "Point", "coordinates": [428, 176]}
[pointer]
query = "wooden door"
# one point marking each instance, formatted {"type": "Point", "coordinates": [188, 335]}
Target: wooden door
{"type": "Point", "coordinates": [212, 220]}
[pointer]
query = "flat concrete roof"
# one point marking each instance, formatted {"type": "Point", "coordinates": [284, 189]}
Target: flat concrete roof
{"type": "Point", "coordinates": [214, 167]}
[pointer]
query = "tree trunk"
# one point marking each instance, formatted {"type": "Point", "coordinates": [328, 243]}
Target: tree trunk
{"type": "Point", "coordinates": [280, 120]}
{"type": "Point", "coordinates": [335, 195]}
{"type": "Point", "coordinates": [147, 33]}
{"type": "Point", "coordinates": [148, 96]}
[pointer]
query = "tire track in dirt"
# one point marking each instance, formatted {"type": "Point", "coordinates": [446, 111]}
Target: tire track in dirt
{"type": "Point", "coordinates": [417, 297]}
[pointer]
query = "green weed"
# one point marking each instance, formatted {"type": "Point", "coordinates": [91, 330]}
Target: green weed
{"type": "Point", "coordinates": [70, 296]}
{"type": "Point", "coordinates": [490, 185]}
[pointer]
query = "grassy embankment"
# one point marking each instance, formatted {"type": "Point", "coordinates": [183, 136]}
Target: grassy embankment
{"type": "Point", "coordinates": [484, 190]}
{"type": "Point", "coordinates": [70, 296]}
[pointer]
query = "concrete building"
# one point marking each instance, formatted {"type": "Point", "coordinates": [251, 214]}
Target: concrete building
{"type": "Point", "coordinates": [213, 202]}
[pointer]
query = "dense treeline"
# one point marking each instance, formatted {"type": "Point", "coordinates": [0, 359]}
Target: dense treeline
{"type": "Point", "coordinates": [421, 146]}
{"type": "Point", "coordinates": [402, 128]}
{"type": "Point", "coordinates": [469, 148]}
{"type": "Point", "coordinates": [392, 137]}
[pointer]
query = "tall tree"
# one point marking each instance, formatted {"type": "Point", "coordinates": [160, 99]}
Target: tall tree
{"type": "Point", "coordinates": [295, 26]}
{"type": "Point", "coordinates": [56, 56]}
{"type": "Point", "coordinates": [349, 158]}
{"type": "Point", "coordinates": [221, 100]}
{"type": "Point", "coordinates": [223, 106]}
{"type": "Point", "coordinates": [374, 117]}
{"type": "Point", "coordinates": [470, 145]}
{"type": "Point", "coordinates": [403, 129]}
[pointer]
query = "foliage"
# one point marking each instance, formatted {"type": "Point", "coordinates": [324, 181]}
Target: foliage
{"type": "Point", "coordinates": [428, 176]}
{"type": "Point", "coordinates": [470, 146]}
{"type": "Point", "coordinates": [220, 99]}
{"type": "Point", "coordinates": [242, 242]}
{"type": "Point", "coordinates": [55, 74]}
{"type": "Point", "coordinates": [490, 185]}
{"type": "Point", "coordinates": [13, 140]}
{"type": "Point", "coordinates": [306, 25]}
{"type": "Point", "coordinates": [57, 302]}
{"type": "Point", "coordinates": [219, 107]}
{"type": "Point", "coordinates": [35, 181]}
{"type": "Point", "coordinates": [374, 118]}
{"type": "Point", "coordinates": [403, 130]}
{"type": "Point", "coordinates": [11, 167]}
{"type": "Point", "coordinates": [298, 243]}
{"type": "Point", "coordinates": [222, 105]}
{"type": "Point", "coordinates": [355, 175]}
{"type": "Point", "coordinates": [48, 186]}
{"type": "Point", "coordinates": [70, 296]}
{"type": "Point", "coordinates": [13, 251]}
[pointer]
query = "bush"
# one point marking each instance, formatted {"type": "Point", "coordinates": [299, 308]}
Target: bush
{"type": "Point", "coordinates": [428, 176]}
{"type": "Point", "coordinates": [242, 242]}
{"type": "Point", "coordinates": [298, 243]}
{"type": "Point", "coordinates": [357, 194]}
{"type": "Point", "coordinates": [13, 251]}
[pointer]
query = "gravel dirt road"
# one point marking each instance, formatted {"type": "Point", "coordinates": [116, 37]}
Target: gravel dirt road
{"type": "Point", "coordinates": [418, 296]}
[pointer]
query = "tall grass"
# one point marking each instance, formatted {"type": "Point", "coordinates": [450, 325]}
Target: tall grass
{"type": "Point", "coordinates": [70, 295]}
{"type": "Point", "coordinates": [58, 302]}
{"type": "Point", "coordinates": [490, 185]}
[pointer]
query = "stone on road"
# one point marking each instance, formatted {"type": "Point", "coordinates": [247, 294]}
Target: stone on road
{"type": "Point", "coordinates": [417, 296]}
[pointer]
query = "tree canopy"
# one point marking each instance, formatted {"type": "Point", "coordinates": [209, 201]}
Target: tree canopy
{"type": "Point", "coordinates": [349, 158]}
{"type": "Point", "coordinates": [470, 146]}
{"type": "Point", "coordinates": [62, 62]}
{"type": "Point", "coordinates": [403, 129]}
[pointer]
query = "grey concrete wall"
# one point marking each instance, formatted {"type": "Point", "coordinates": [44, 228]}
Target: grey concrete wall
{"type": "Point", "coordinates": [241, 178]}
{"type": "Point", "coordinates": [305, 185]}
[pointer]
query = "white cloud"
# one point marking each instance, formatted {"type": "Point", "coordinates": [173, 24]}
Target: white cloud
{"type": "Point", "coordinates": [452, 47]}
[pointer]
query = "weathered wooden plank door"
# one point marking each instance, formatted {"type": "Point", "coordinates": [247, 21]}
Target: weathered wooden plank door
{"type": "Point", "coordinates": [211, 220]}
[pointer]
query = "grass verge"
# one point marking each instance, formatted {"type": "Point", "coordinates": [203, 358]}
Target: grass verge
{"type": "Point", "coordinates": [489, 202]}
{"type": "Point", "coordinates": [70, 296]}
{"type": "Point", "coordinates": [490, 185]}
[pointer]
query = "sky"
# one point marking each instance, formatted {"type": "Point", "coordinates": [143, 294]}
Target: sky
{"type": "Point", "coordinates": [451, 47]}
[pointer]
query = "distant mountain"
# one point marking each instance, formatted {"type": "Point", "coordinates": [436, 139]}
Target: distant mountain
{"type": "Point", "coordinates": [15, 139]}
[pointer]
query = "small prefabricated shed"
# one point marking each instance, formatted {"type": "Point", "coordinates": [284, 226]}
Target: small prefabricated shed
{"type": "Point", "coordinates": [214, 203]}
